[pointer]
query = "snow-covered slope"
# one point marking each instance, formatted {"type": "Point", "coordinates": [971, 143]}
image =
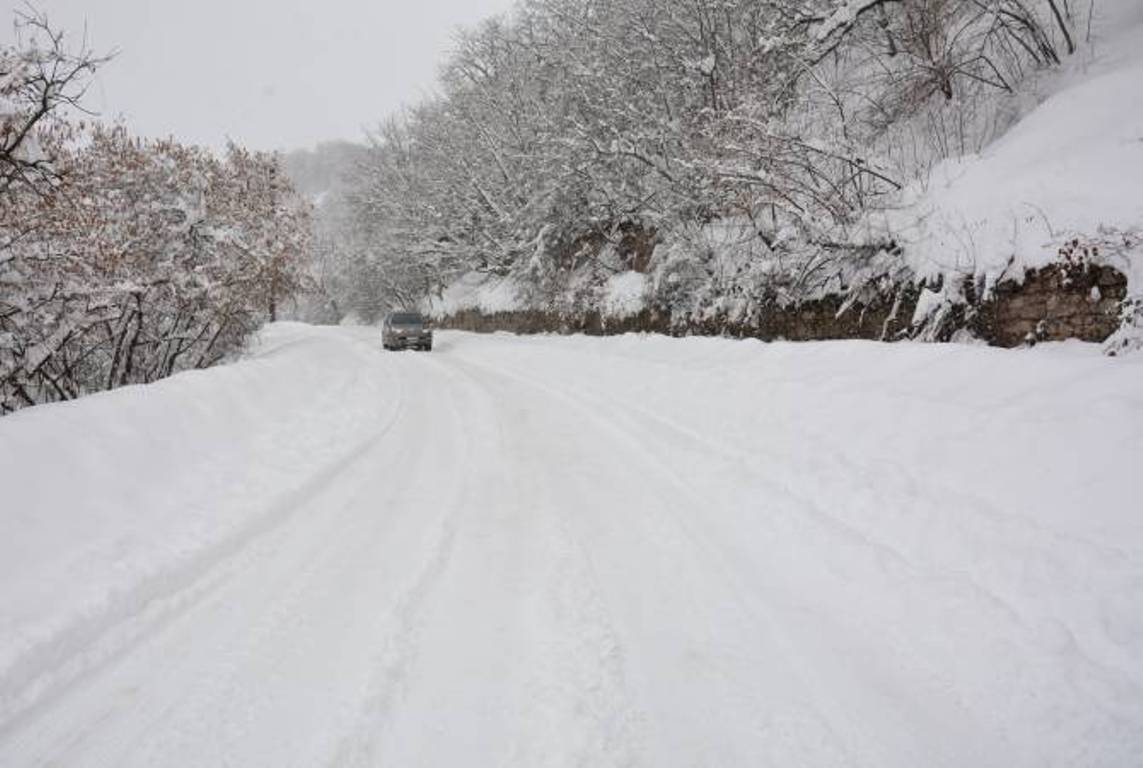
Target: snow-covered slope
{"type": "Point", "coordinates": [1071, 168]}
{"type": "Point", "coordinates": [573, 551]}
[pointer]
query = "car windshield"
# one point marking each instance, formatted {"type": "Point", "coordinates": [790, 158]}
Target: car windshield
{"type": "Point", "coordinates": [406, 318]}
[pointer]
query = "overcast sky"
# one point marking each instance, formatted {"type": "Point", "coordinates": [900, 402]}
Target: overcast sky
{"type": "Point", "coordinates": [271, 74]}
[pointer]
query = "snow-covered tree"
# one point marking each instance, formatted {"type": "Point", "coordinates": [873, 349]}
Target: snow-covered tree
{"type": "Point", "coordinates": [147, 257]}
{"type": "Point", "coordinates": [572, 128]}
{"type": "Point", "coordinates": [41, 77]}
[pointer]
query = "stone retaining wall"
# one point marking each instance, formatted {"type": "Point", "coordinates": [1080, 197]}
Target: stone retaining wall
{"type": "Point", "coordinates": [1060, 301]}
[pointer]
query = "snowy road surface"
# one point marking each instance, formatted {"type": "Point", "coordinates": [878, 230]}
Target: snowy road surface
{"type": "Point", "coordinates": [570, 551]}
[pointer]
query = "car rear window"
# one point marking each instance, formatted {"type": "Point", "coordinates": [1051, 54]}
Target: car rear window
{"type": "Point", "coordinates": [407, 318]}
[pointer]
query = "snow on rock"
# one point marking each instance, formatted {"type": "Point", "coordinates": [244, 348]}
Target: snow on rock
{"type": "Point", "coordinates": [477, 291]}
{"type": "Point", "coordinates": [1129, 337]}
{"type": "Point", "coordinates": [624, 294]}
{"type": "Point", "coordinates": [844, 15]}
{"type": "Point", "coordinates": [929, 302]}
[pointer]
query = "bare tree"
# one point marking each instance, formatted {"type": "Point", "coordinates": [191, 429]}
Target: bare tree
{"type": "Point", "coordinates": [41, 78]}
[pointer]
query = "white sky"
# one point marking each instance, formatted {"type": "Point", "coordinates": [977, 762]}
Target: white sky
{"type": "Point", "coordinates": [271, 74]}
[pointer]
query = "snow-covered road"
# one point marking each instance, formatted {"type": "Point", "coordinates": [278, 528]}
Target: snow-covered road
{"type": "Point", "coordinates": [570, 551]}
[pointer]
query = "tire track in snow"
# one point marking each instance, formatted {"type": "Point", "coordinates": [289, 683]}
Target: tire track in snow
{"type": "Point", "coordinates": [585, 669]}
{"type": "Point", "coordinates": [132, 715]}
{"type": "Point", "coordinates": [398, 648]}
{"type": "Point", "coordinates": [749, 462]}
{"type": "Point", "coordinates": [545, 658]}
{"type": "Point", "coordinates": [901, 583]}
{"type": "Point", "coordinates": [538, 575]}
{"type": "Point", "coordinates": [1046, 634]}
{"type": "Point", "coordinates": [755, 597]}
{"type": "Point", "coordinates": [46, 670]}
{"type": "Point", "coordinates": [229, 649]}
{"type": "Point", "coordinates": [708, 560]}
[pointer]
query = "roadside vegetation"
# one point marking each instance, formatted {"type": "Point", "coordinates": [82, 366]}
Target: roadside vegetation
{"type": "Point", "coordinates": [122, 259]}
{"type": "Point", "coordinates": [742, 142]}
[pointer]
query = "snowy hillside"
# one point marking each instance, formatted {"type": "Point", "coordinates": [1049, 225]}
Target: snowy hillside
{"type": "Point", "coordinates": [1071, 168]}
{"type": "Point", "coordinates": [1060, 168]}
{"type": "Point", "coordinates": [573, 551]}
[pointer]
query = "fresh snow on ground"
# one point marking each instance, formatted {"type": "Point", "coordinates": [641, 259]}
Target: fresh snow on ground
{"type": "Point", "coordinates": [577, 551]}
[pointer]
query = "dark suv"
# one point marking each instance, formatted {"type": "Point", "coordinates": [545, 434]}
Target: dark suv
{"type": "Point", "coordinates": [406, 330]}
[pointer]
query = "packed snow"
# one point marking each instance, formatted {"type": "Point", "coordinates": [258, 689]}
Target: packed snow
{"type": "Point", "coordinates": [580, 551]}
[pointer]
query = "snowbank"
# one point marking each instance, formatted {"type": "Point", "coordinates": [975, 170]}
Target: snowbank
{"type": "Point", "coordinates": [114, 499]}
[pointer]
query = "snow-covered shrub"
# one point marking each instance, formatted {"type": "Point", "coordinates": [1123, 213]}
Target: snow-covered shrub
{"type": "Point", "coordinates": [41, 77]}
{"type": "Point", "coordinates": [1129, 337]}
{"type": "Point", "coordinates": [124, 260]}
